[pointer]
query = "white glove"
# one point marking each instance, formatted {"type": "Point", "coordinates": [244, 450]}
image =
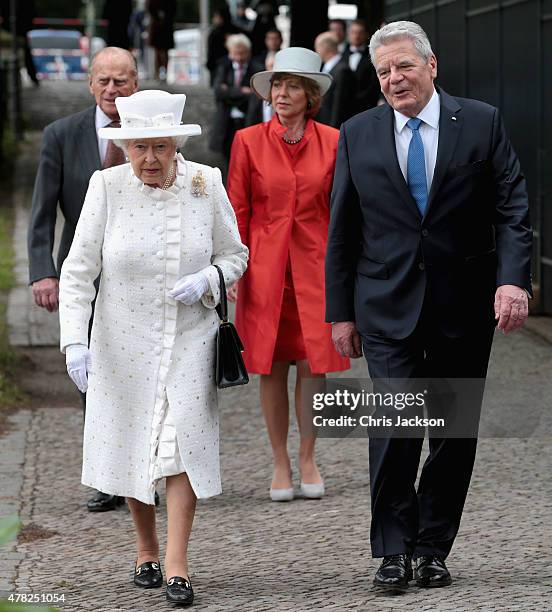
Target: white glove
{"type": "Point", "coordinates": [79, 363]}
{"type": "Point", "coordinates": [190, 288]}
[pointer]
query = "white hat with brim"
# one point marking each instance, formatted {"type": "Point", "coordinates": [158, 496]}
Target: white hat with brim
{"type": "Point", "coordinates": [296, 61]}
{"type": "Point", "coordinates": [150, 114]}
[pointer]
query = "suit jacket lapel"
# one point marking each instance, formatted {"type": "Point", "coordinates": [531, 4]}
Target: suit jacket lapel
{"type": "Point", "coordinates": [385, 137]}
{"type": "Point", "coordinates": [88, 143]}
{"type": "Point", "coordinates": [450, 125]}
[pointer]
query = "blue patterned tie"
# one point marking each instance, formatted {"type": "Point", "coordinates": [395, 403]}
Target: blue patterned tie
{"type": "Point", "coordinates": [415, 167]}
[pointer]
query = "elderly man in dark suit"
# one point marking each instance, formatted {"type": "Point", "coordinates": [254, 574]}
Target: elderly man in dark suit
{"type": "Point", "coordinates": [232, 92]}
{"type": "Point", "coordinates": [429, 247]}
{"type": "Point", "coordinates": [71, 152]}
{"type": "Point", "coordinates": [338, 102]}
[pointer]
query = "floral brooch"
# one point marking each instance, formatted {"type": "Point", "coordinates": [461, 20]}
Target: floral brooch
{"type": "Point", "coordinates": [199, 186]}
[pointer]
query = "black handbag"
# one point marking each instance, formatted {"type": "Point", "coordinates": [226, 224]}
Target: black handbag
{"type": "Point", "coordinates": [229, 367]}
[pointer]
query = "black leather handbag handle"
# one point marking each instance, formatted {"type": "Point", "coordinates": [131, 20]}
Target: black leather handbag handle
{"type": "Point", "coordinates": [222, 307]}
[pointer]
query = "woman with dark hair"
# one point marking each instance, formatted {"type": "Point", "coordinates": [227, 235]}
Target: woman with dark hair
{"type": "Point", "coordinates": [279, 182]}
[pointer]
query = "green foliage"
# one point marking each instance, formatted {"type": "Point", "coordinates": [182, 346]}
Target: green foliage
{"type": "Point", "coordinates": [7, 278]}
{"type": "Point", "coordinates": [9, 526]}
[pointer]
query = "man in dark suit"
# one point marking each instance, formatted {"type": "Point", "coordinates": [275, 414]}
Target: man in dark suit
{"type": "Point", "coordinates": [338, 102]}
{"type": "Point", "coordinates": [357, 55]}
{"type": "Point", "coordinates": [273, 43]}
{"type": "Point", "coordinates": [429, 246]}
{"type": "Point", "coordinates": [232, 92]}
{"type": "Point", "coordinates": [71, 152]}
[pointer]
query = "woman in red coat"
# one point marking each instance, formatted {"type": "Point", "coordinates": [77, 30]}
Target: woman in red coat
{"type": "Point", "coordinates": [279, 182]}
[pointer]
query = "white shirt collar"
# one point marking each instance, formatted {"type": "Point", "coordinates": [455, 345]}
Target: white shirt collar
{"type": "Point", "coordinates": [333, 61]}
{"type": "Point", "coordinates": [102, 120]}
{"type": "Point", "coordinates": [429, 114]}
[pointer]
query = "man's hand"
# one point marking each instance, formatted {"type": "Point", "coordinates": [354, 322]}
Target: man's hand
{"type": "Point", "coordinates": [511, 307]}
{"type": "Point", "coordinates": [346, 339]}
{"type": "Point", "coordinates": [232, 293]}
{"type": "Point", "coordinates": [46, 293]}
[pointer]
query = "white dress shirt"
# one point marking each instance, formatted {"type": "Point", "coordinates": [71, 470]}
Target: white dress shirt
{"type": "Point", "coordinates": [239, 71]}
{"type": "Point", "coordinates": [102, 120]}
{"type": "Point", "coordinates": [268, 111]}
{"type": "Point", "coordinates": [429, 131]}
{"type": "Point", "coordinates": [331, 63]}
{"type": "Point", "coordinates": [355, 57]}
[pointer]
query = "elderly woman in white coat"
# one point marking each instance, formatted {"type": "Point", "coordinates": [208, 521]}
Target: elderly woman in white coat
{"type": "Point", "coordinates": [152, 229]}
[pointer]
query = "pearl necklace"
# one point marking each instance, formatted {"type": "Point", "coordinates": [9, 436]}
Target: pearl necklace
{"type": "Point", "coordinates": [293, 141]}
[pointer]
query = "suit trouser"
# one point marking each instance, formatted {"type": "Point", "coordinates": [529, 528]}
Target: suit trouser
{"type": "Point", "coordinates": [423, 521]}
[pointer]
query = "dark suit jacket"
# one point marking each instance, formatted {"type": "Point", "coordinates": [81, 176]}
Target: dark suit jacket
{"type": "Point", "coordinates": [384, 260]}
{"type": "Point", "coordinates": [368, 88]}
{"type": "Point", "coordinates": [338, 104]}
{"type": "Point", "coordinates": [226, 98]}
{"type": "Point", "coordinates": [68, 158]}
{"type": "Point", "coordinates": [254, 113]}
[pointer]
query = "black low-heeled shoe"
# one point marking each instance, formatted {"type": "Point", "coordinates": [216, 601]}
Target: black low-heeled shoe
{"type": "Point", "coordinates": [148, 575]}
{"type": "Point", "coordinates": [179, 591]}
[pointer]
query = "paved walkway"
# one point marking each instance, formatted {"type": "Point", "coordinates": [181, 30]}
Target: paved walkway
{"type": "Point", "coordinates": [249, 554]}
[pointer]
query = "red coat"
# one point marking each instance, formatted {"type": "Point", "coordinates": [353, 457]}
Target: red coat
{"type": "Point", "coordinates": [282, 207]}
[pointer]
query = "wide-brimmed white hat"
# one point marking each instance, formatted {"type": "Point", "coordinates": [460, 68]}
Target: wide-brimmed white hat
{"type": "Point", "coordinates": [151, 113]}
{"type": "Point", "coordinates": [293, 60]}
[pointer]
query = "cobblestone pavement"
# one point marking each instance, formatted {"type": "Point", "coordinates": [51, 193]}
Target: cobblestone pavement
{"type": "Point", "coordinates": [250, 554]}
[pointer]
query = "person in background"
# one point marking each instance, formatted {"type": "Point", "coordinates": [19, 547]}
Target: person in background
{"type": "Point", "coordinates": [338, 27]}
{"type": "Point", "coordinates": [72, 151]}
{"type": "Point", "coordinates": [161, 33]}
{"type": "Point", "coordinates": [154, 229]}
{"type": "Point", "coordinates": [279, 182]}
{"type": "Point", "coordinates": [241, 21]}
{"type": "Point", "coordinates": [357, 55]}
{"type": "Point", "coordinates": [222, 27]}
{"type": "Point", "coordinates": [117, 13]}
{"type": "Point", "coordinates": [259, 110]}
{"type": "Point", "coordinates": [263, 23]}
{"type": "Point", "coordinates": [232, 92]}
{"type": "Point", "coordinates": [273, 43]}
{"type": "Point", "coordinates": [338, 104]}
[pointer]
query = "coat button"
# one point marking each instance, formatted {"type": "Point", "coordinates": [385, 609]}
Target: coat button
{"type": "Point", "coordinates": [159, 230]}
{"type": "Point", "coordinates": [159, 278]}
{"type": "Point", "coordinates": [160, 255]}
{"type": "Point", "coordinates": [157, 350]}
{"type": "Point", "coordinates": [158, 327]}
{"type": "Point", "coordinates": [421, 265]}
{"type": "Point", "coordinates": [425, 232]}
{"type": "Point", "coordinates": [158, 302]}
{"type": "Point", "coordinates": [160, 206]}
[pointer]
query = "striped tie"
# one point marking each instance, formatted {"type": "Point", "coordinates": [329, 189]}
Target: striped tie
{"type": "Point", "coordinates": [415, 168]}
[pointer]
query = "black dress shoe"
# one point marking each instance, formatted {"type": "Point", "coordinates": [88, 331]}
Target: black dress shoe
{"type": "Point", "coordinates": [431, 571]}
{"type": "Point", "coordinates": [102, 502]}
{"type": "Point", "coordinates": [179, 591]}
{"type": "Point", "coordinates": [394, 573]}
{"type": "Point", "coordinates": [148, 575]}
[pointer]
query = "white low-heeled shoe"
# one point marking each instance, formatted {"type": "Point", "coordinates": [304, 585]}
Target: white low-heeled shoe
{"type": "Point", "coordinates": [312, 491]}
{"type": "Point", "coordinates": [281, 495]}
